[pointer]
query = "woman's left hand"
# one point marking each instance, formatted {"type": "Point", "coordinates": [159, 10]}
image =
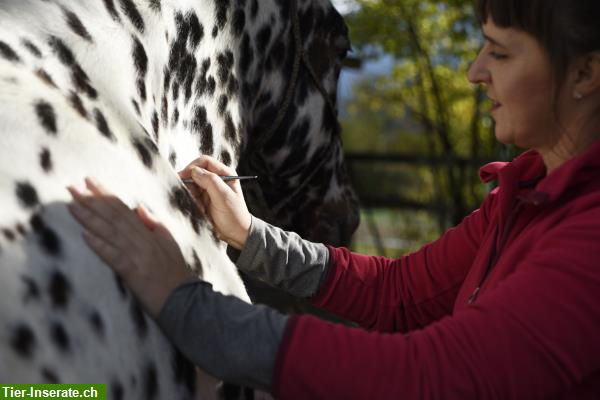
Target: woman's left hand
{"type": "Point", "coordinates": [133, 243]}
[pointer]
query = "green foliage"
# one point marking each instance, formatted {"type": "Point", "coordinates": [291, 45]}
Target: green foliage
{"type": "Point", "coordinates": [425, 106]}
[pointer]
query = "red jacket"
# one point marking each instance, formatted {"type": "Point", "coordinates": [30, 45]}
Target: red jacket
{"type": "Point", "coordinates": [532, 330]}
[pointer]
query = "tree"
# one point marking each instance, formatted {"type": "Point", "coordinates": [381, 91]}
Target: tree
{"type": "Point", "coordinates": [427, 101]}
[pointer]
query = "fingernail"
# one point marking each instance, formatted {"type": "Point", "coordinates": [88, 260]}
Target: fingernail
{"type": "Point", "coordinates": [197, 171]}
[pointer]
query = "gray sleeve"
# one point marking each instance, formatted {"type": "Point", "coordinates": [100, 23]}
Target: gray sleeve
{"type": "Point", "coordinates": [283, 259]}
{"type": "Point", "coordinates": [228, 338]}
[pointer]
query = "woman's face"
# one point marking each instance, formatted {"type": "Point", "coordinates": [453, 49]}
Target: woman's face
{"type": "Point", "coordinates": [516, 71]}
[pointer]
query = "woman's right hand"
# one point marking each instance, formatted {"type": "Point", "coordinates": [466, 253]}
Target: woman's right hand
{"type": "Point", "coordinates": [223, 202]}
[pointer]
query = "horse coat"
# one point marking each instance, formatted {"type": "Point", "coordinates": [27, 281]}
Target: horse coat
{"type": "Point", "coordinates": [130, 91]}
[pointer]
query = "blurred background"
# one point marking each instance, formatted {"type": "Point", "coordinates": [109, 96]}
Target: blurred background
{"type": "Point", "coordinates": [415, 131]}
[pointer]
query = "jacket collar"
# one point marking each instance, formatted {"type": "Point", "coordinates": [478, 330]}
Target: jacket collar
{"type": "Point", "coordinates": [528, 171]}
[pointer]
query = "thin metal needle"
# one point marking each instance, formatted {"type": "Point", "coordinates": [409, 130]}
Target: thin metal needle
{"type": "Point", "coordinates": [225, 178]}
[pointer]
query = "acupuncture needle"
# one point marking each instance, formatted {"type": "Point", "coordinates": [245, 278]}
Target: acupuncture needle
{"type": "Point", "coordinates": [227, 178]}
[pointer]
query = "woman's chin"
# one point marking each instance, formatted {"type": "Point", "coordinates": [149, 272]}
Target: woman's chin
{"type": "Point", "coordinates": [503, 137]}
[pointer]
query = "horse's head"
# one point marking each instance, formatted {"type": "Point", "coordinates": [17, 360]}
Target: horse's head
{"type": "Point", "coordinates": [289, 69]}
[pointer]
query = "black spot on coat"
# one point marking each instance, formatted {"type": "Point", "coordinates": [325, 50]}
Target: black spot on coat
{"type": "Point", "coordinates": [97, 323]}
{"type": "Point", "coordinates": [136, 107]}
{"type": "Point", "coordinates": [8, 234]}
{"type": "Point", "coordinates": [222, 104]}
{"type": "Point", "coordinates": [201, 126]}
{"type": "Point", "coordinates": [77, 104]}
{"type": "Point", "coordinates": [59, 290]}
{"type": "Point", "coordinates": [225, 62]}
{"type": "Point", "coordinates": [181, 200]}
{"type": "Point", "coordinates": [33, 49]}
{"type": "Point", "coordinates": [164, 110]}
{"type": "Point", "coordinates": [47, 238]}
{"type": "Point", "coordinates": [75, 24]}
{"type": "Point", "coordinates": [32, 291]}
{"type": "Point", "coordinates": [246, 56]}
{"type": "Point", "coordinates": [120, 285]}
{"type": "Point", "coordinates": [254, 9]}
{"type": "Point", "coordinates": [239, 22]}
{"type": "Point", "coordinates": [23, 340]}
{"type": "Point", "coordinates": [46, 116]}
{"type": "Point", "coordinates": [65, 55]}
{"type": "Point", "coordinates": [154, 5]}
{"type": "Point", "coordinates": [49, 376]}
{"type": "Point", "coordinates": [139, 319]}
{"type": "Point", "coordinates": [226, 158]}
{"type": "Point", "coordinates": [8, 53]}
{"type": "Point", "coordinates": [117, 391]}
{"type": "Point", "coordinates": [262, 38]}
{"type": "Point", "coordinates": [140, 59]}
{"type": "Point", "coordinates": [145, 148]}
{"type": "Point", "coordinates": [207, 146]}
{"type": "Point", "coordinates": [211, 86]}
{"type": "Point", "coordinates": [102, 125]}
{"type": "Point", "coordinates": [82, 81]}
{"type": "Point", "coordinates": [141, 87]}
{"type": "Point", "coordinates": [230, 133]}
{"type": "Point", "coordinates": [196, 30]}
{"type": "Point", "coordinates": [150, 382]}
{"type": "Point", "coordinates": [27, 195]}
{"type": "Point", "coordinates": [46, 160]}
{"type": "Point", "coordinates": [60, 337]}
{"type": "Point", "coordinates": [155, 125]}
{"type": "Point", "coordinates": [110, 6]}
{"type": "Point", "coordinates": [197, 266]}
{"type": "Point", "coordinates": [130, 10]}
{"type": "Point", "coordinates": [221, 12]}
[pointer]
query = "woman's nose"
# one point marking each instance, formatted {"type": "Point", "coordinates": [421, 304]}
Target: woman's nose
{"type": "Point", "coordinates": [478, 72]}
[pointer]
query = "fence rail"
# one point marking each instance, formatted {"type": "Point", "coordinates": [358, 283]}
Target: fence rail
{"type": "Point", "coordinates": [369, 199]}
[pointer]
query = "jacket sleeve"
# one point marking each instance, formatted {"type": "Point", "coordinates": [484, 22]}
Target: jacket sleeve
{"type": "Point", "coordinates": [534, 336]}
{"type": "Point", "coordinates": [282, 259]}
{"type": "Point", "coordinates": [391, 295]}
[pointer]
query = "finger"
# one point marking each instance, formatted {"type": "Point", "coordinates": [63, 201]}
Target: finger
{"type": "Point", "coordinates": [109, 218]}
{"type": "Point", "coordinates": [149, 220]}
{"type": "Point", "coordinates": [205, 201]}
{"type": "Point", "coordinates": [209, 163]}
{"type": "Point", "coordinates": [196, 193]}
{"type": "Point", "coordinates": [215, 187]}
{"type": "Point", "coordinates": [120, 209]}
{"type": "Point", "coordinates": [87, 200]}
{"type": "Point", "coordinates": [108, 209]}
{"type": "Point", "coordinates": [106, 251]}
{"type": "Point", "coordinates": [91, 222]}
{"type": "Point", "coordinates": [164, 237]}
{"type": "Point", "coordinates": [98, 190]}
{"type": "Point", "coordinates": [157, 226]}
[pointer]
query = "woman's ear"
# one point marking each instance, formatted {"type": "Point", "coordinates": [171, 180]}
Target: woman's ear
{"type": "Point", "coordinates": [586, 75]}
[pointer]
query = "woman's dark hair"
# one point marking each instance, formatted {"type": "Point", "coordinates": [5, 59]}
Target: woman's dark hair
{"type": "Point", "coordinates": [565, 28]}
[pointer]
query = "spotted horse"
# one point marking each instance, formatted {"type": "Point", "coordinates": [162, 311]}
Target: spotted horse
{"type": "Point", "coordinates": [130, 91]}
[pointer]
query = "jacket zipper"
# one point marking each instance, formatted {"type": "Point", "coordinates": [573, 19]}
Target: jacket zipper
{"type": "Point", "coordinates": [493, 254]}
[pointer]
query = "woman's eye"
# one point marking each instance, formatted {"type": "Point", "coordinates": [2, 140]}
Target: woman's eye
{"type": "Point", "coordinates": [497, 56]}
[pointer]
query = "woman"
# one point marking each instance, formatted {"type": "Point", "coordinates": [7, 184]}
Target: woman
{"type": "Point", "coordinates": [505, 305]}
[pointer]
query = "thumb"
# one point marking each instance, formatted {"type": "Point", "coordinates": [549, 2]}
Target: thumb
{"type": "Point", "coordinates": [210, 182]}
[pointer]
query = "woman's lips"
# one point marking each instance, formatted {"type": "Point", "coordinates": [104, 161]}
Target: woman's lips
{"type": "Point", "coordinates": [495, 105]}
